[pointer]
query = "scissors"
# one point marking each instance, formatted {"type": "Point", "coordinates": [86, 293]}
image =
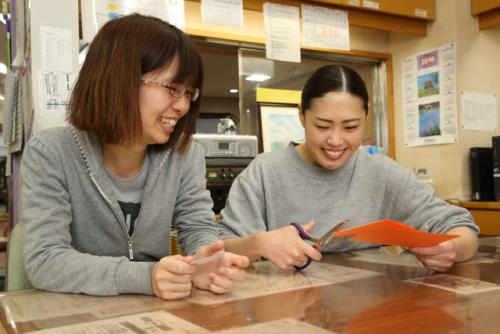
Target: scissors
{"type": "Point", "coordinates": [319, 242]}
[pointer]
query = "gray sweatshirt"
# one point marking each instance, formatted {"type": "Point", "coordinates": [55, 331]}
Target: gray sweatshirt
{"type": "Point", "coordinates": [281, 187]}
{"type": "Point", "coordinates": [75, 238]}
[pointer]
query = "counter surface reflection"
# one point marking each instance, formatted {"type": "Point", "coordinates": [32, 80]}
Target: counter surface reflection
{"type": "Point", "coordinates": [367, 291]}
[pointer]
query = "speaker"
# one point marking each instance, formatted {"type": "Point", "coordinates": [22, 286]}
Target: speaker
{"type": "Point", "coordinates": [481, 172]}
{"type": "Point", "coordinates": [496, 166]}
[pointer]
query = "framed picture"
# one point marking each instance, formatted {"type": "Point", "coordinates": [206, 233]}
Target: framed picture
{"type": "Point", "coordinates": [279, 124]}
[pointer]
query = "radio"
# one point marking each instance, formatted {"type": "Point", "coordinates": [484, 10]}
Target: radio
{"type": "Point", "coordinates": [227, 146]}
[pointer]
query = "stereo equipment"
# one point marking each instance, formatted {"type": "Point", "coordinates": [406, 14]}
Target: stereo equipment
{"type": "Point", "coordinates": [227, 146]}
{"type": "Point", "coordinates": [220, 175]}
{"type": "Point", "coordinates": [481, 172]}
{"type": "Point", "coordinates": [496, 166]}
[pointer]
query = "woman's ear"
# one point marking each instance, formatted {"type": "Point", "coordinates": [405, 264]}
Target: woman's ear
{"type": "Point", "coordinates": [302, 117]}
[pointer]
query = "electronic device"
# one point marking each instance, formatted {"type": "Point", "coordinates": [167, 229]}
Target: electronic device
{"type": "Point", "coordinates": [227, 146]}
{"type": "Point", "coordinates": [220, 175]}
{"type": "Point", "coordinates": [226, 156]}
{"type": "Point", "coordinates": [496, 166]}
{"type": "Point", "coordinates": [481, 172]}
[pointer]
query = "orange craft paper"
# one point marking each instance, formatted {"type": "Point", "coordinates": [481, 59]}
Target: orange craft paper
{"type": "Point", "coordinates": [388, 232]}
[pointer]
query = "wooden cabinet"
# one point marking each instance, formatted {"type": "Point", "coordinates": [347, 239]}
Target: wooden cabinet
{"type": "Point", "coordinates": [483, 6]}
{"type": "Point", "coordinates": [408, 16]}
{"type": "Point", "coordinates": [487, 11]}
{"type": "Point", "coordinates": [486, 215]}
{"type": "Point", "coordinates": [418, 9]}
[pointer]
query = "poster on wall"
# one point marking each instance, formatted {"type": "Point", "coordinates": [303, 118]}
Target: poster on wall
{"type": "Point", "coordinates": [429, 97]}
{"type": "Point", "coordinates": [95, 13]}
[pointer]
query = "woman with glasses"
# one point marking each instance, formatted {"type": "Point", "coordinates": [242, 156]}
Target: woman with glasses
{"type": "Point", "coordinates": [101, 196]}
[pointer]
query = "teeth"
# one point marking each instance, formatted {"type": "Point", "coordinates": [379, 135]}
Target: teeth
{"type": "Point", "coordinates": [334, 153]}
{"type": "Point", "coordinates": [168, 121]}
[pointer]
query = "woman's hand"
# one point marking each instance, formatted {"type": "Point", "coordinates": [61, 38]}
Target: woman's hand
{"type": "Point", "coordinates": [438, 258]}
{"type": "Point", "coordinates": [285, 248]}
{"type": "Point", "coordinates": [171, 277]}
{"type": "Point", "coordinates": [219, 275]}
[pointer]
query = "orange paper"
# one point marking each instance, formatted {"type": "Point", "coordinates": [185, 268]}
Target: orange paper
{"type": "Point", "coordinates": [388, 232]}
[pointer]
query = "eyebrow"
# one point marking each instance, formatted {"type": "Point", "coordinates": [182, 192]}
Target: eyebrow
{"type": "Point", "coordinates": [344, 121]}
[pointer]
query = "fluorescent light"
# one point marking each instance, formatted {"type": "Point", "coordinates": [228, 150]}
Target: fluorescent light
{"type": "Point", "coordinates": [2, 98]}
{"type": "Point", "coordinates": [3, 68]}
{"type": "Point", "coordinates": [234, 91]}
{"type": "Point", "coordinates": [258, 77]}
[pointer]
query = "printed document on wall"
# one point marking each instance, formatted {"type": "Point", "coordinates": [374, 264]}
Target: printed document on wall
{"type": "Point", "coordinates": [55, 48]}
{"type": "Point", "coordinates": [222, 12]}
{"type": "Point", "coordinates": [429, 97]}
{"type": "Point", "coordinates": [325, 28]}
{"type": "Point", "coordinates": [282, 29]}
{"type": "Point", "coordinates": [95, 13]}
{"type": "Point", "coordinates": [54, 91]}
{"type": "Point", "coordinates": [479, 111]}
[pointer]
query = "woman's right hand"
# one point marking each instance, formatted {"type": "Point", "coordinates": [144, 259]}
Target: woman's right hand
{"type": "Point", "coordinates": [285, 248]}
{"type": "Point", "coordinates": [171, 277]}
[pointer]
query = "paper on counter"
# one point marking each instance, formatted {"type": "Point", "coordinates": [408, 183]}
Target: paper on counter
{"type": "Point", "coordinates": [388, 232]}
{"type": "Point", "coordinates": [144, 323]}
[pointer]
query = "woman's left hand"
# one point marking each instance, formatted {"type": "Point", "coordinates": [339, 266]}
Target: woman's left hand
{"type": "Point", "coordinates": [218, 276]}
{"type": "Point", "coordinates": [438, 258]}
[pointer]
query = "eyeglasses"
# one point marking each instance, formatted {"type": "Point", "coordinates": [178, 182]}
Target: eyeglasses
{"type": "Point", "coordinates": [176, 90]}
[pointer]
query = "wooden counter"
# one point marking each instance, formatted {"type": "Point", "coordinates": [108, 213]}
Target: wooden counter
{"type": "Point", "coordinates": [352, 292]}
{"type": "Point", "coordinates": [486, 215]}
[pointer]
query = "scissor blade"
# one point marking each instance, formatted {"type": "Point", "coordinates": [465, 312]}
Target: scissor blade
{"type": "Point", "coordinates": [327, 237]}
{"type": "Point", "coordinates": [337, 239]}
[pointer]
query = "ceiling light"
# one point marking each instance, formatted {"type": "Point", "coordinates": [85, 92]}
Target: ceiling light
{"type": "Point", "coordinates": [258, 77]}
{"type": "Point", "coordinates": [2, 98]}
{"type": "Point", "coordinates": [234, 91]}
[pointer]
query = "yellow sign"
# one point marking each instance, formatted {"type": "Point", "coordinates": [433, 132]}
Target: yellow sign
{"type": "Point", "coordinates": [278, 95]}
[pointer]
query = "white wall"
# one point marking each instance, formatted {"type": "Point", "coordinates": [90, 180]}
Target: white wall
{"type": "Point", "coordinates": [478, 69]}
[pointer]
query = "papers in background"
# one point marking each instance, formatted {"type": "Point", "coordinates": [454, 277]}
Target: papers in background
{"type": "Point", "coordinates": [388, 232]}
{"type": "Point", "coordinates": [325, 28]}
{"type": "Point", "coordinates": [55, 88]}
{"type": "Point", "coordinates": [282, 29]}
{"type": "Point", "coordinates": [56, 49]}
{"type": "Point", "coordinates": [95, 13]}
{"type": "Point", "coordinates": [55, 76]}
{"type": "Point", "coordinates": [222, 12]}
{"type": "Point", "coordinates": [479, 111]}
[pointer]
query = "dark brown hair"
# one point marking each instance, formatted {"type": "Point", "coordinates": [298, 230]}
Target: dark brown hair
{"type": "Point", "coordinates": [105, 98]}
{"type": "Point", "coordinates": [333, 78]}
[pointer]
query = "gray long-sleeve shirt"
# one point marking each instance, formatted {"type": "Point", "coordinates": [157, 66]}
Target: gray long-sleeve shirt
{"type": "Point", "coordinates": [74, 234]}
{"type": "Point", "coordinates": [281, 187]}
